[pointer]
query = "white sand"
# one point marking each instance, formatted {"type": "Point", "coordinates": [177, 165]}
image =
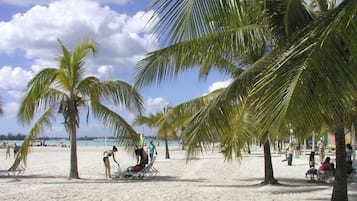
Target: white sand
{"type": "Point", "coordinates": [208, 177]}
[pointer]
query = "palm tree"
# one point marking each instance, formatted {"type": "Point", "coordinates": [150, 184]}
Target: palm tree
{"type": "Point", "coordinates": [193, 30]}
{"type": "Point", "coordinates": [219, 36]}
{"type": "Point", "coordinates": [166, 130]}
{"type": "Point", "coordinates": [66, 91]}
{"type": "Point", "coordinates": [1, 110]}
{"type": "Point", "coordinates": [316, 70]}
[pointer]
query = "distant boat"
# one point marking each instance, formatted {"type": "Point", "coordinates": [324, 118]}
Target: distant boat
{"type": "Point", "coordinates": [38, 143]}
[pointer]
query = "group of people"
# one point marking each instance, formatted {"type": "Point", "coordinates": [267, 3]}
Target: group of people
{"type": "Point", "coordinates": [327, 167]}
{"type": "Point", "coordinates": [142, 158]}
{"type": "Point", "coordinates": [8, 147]}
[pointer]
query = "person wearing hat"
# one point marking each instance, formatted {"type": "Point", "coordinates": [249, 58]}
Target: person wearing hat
{"type": "Point", "coordinates": [321, 146]}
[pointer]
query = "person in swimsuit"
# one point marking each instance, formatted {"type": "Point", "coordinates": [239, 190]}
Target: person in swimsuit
{"type": "Point", "coordinates": [106, 155]}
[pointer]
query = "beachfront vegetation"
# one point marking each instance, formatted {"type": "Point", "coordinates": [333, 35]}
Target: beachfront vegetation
{"type": "Point", "coordinates": [165, 129]}
{"type": "Point", "coordinates": [66, 91]}
{"type": "Point", "coordinates": [307, 78]}
{"type": "Point", "coordinates": [229, 44]}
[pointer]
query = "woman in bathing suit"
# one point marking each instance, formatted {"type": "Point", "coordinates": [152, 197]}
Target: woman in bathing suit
{"type": "Point", "coordinates": [106, 155]}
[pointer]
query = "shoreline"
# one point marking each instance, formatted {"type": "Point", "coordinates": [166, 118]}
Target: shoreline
{"type": "Point", "coordinates": [207, 177]}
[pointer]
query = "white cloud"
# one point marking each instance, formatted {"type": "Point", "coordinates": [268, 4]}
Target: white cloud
{"type": "Point", "coordinates": [10, 109]}
{"type": "Point", "coordinates": [122, 39]}
{"type": "Point", "coordinates": [14, 78]}
{"type": "Point", "coordinates": [154, 105]}
{"type": "Point", "coordinates": [218, 85]}
{"type": "Point", "coordinates": [105, 71]}
{"type": "Point", "coordinates": [43, 2]}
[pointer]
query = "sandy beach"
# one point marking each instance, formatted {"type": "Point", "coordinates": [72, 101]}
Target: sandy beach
{"type": "Point", "coordinates": [207, 177]}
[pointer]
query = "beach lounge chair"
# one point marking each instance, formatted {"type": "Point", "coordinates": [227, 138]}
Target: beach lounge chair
{"type": "Point", "coordinates": [148, 171]}
{"type": "Point", "coordinates": [17, 172]}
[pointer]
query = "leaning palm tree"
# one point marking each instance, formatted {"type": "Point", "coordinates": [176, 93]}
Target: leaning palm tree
{"type": "Point", "coordinates": [66, 91]}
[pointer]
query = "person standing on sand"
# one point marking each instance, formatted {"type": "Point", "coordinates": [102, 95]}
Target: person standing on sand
{"type": "Point", "coordinates": [152, 150]}
{"type": "Point", "coordinates": [106, 155]}
{"type": "Point", "coordinates": [321, 146]}
{"type": "Point", "coordinates": [16, 149]}
{"type": "Point", "coordinates": [8, 147]}
{"type": "Point", "coordinates": [290, 153]}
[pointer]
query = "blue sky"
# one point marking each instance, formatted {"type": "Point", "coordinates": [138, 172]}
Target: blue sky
{"type": "Point", "coordinates": [29, 30]}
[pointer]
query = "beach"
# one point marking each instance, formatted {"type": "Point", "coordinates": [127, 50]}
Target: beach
{"type": "Point", "coordinates": [206, 177]}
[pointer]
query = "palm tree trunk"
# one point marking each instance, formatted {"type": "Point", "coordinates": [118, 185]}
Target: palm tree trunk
{"type": "Point", "coordinates": [268, 166]}
{"type": "Point", "coordinates": [167, 155]}
{"type": "Point", "coordinates": [74, 165]}
{"type": "Point", "coordinates": [339, 192]}
{"type": "Point", "coordinates": [248, 147]}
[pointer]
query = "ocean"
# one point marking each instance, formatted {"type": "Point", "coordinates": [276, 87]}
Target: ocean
{"type": "Point", "coordinates": [84, 143]}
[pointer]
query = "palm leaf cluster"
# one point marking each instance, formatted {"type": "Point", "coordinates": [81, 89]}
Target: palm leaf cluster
{"type": "Point", "coordinates": [297, 69]}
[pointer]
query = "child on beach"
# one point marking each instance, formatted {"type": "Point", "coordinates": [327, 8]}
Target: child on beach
{"type": "Point", "coordinates": [106, 155]}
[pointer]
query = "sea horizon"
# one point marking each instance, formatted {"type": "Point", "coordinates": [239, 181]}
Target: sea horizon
{"type": "Point", "coordinates": [84, 143]}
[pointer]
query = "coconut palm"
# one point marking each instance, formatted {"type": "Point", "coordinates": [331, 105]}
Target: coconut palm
{"type": "Point", "coordinates": [222, 36]}
{"type": "Point", "coordinates": [316, 69]}
{"type": "Point", "coordinates": [182, 55]}
{"type": "Point", "coordinates": [66, 91]}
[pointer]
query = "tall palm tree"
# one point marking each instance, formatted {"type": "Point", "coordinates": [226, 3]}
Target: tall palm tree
{"type": "Point", "coordinates": [65, 91]}
{"type": "Point", "coordinates": [315, 70]}
{"type": "Point", "coordinates": [186, 29]}
{"type": "Point", "coordinates": [224, 35]}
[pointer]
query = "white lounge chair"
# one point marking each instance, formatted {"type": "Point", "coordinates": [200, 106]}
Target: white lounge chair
{"type": "Point", "coordinates": [148, 171]}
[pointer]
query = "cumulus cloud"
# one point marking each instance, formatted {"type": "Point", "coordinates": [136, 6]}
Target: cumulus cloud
{"type": "Point", "coordinates": [14, 78]}
{"type": "Point", "coordinates": [218, 85]}
{"type": "Point", "coordinates": [122, 39]}
{"type": "Point", "coordinates": [154, 105]}
{"type": "Point", "coordinates": [10, 109]}
{"type": "Point", "coordinates": [33, 2]}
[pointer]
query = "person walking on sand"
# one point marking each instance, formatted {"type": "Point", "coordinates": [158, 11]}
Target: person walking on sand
{"type": "Point", "coordinates": [321, 146]}
{"type": "Point", "coordinates": [8, 147]}
{"type": "Point", "coordinates": [106, 155]}
{"type": "Point", "coordinates": [152, 150]}
{"type": "Point", "coordinates": [290, 153]}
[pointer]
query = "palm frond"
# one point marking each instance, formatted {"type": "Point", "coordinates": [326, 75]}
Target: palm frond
{"type": "Point", "coordinates": [189, 19]}
{"type": "Point", "coordinates": [120, 92]}
{"type": "Point", "coordinates": [43, 123]}
{"type": "Point", "coordinates": [37, 86]}
{"type": "Point", "coordinates": [287, 17]}
{"type": "Point", "coordinates": [206, 52]}
{"type": "Point", "coordinates": [324, 53]}
{"type": "Point", "coordinates": [116, 124]}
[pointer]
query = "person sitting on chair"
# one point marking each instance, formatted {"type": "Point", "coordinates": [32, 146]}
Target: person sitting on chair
{"type": "Point", "coordinates": [141, 155]}
{"type": "Point", "coordinates": [312, 170]}
{"type": "Point", "coordinates": [326, 169]}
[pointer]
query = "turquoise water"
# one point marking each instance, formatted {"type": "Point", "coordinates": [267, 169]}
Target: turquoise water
{"type": "Point", "coordinates": [84, 143]}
